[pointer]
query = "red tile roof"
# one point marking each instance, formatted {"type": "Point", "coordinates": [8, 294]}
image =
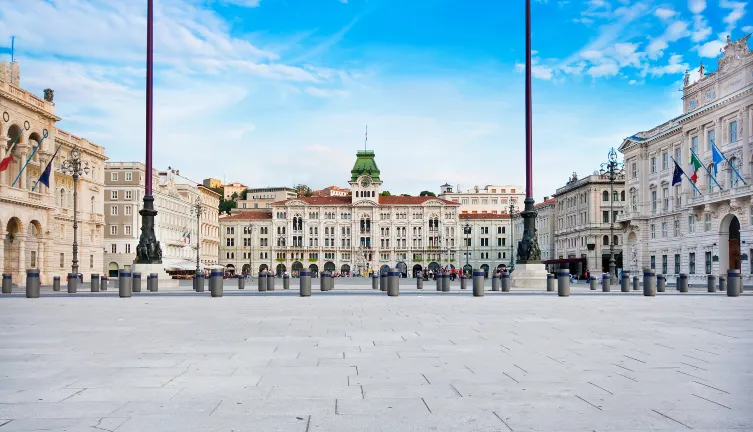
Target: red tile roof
{"type": "Point", "coordinates": [546, 203]}
{"type": "Point", "coordinates": [483, 216]}
{"type": "Point", "coordinates": [246, 215]}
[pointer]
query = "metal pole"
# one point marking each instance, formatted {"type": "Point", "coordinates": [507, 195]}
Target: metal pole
{"type": "Point", "coordinates": [612, 264]}
{"type": "Point", "coordinates": [512, 238]}
{"type": "Point", "coordinates": [75, 164]}
{"type": "Point", "coordinates": [198, 236]}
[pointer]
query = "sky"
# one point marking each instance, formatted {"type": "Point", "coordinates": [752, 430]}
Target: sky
{"type": "Point", "coordinates": [280, 92]}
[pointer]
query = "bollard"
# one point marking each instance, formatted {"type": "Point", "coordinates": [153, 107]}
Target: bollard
{"type": "Point", "coordinates": [8, 283]}
{"type": "Point", "coordinates": [636, 283]}
{"type": "Point", "coordinates": [506, 281]}
{"type": "Point", "coordinates": [270, 281]}
{"type": "Point", "coordinates": [382, 280]}
{"type": "Point", "coordinates": [393, 282]}
{"type": "Point", "coordinates": [72, 283]}
{"type": "Point", "coordinates": [263, 281]}
{"type": "Point", "coordinates": [419, 283]}
{"type": "Point", "coordinates": [594, 282]}
{"type": "Point", "coordinates": [625, 282]}
{"type": "Point", "coordinates": [32, 283]}
{"type": "Point", "coordinates": [149, 283]}
{"type": "Point", "coordinates": [445, 282]}
{"type": "Point", "coordinates": [682, 283]}
{"type": "Point", "coordinates": [125, 285]}
{"type": "Point", "coordinates": [495, 282]}
{"type": "Point", "coordinates": [478, 283]}
{"type": "Point", "coordinates": [95, 283]}
{"type": "Point", "coordinates": [374, 281]}
{"type": "Point", "coordinates": [56, 283]}
{"type": "Point", "coordinates": [733, 282]}
{"type": "Point", "coordinates": [550, 280]}
{"type": "Point", "coordinates": [723, 284]}
{"type": "Point", "coordinates": [711, 283]}
{"type": "Point", "coordinates": [103, 280]}
{"type": "Point", "coordinates": [215, 283]}
{"type": "Point", "coordinates": [198, 282]}
{"type": "Point", "coordinates": [323, 281]}
{"type": "Point", "coordinates": [605, 283]}
{"type": "Point", "coordinates": [563, 282]}
{"type": "Point", "coordinates": [649, 283]}
{"type": "Point", "coordinates": [155, 282]}
{"type": "Point", "coordinates": [661, 282]}
{"type": "Point", "coordinates": [285, 281]}
{"type": "Point", "coordinates": [438, 279]}
{"type": "Point", "coordinates": [135, 282]}
{"type": "Point", "coordinates": [305, 283]}
{"type": "Point", "coordinates": [463, 281]}
{"type": "Point", "coordinates": [241, 282]}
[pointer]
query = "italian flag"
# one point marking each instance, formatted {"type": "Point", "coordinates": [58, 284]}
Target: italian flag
{"type": "Point", "coordinates": [697, 165]}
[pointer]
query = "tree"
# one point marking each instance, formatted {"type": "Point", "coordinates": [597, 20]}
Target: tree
{"type": "Point", "coordinates": [227, 206]}
{"type": "Point", "coordinates": [427, 193]}
{"type": "Point", "coordinates": [385, 193]}
{"type": "Point", "coordinates": [304, 191]}
{"type": "Point", "coordinates": [244, 194]}
{"type": "Point", "coordinates": [235, 196]}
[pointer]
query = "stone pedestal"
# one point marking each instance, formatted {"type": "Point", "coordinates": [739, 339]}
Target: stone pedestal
{"type": "Point", "coordinates": [165, 281]}
{"type": "Point", "coordinates": [529, 276]}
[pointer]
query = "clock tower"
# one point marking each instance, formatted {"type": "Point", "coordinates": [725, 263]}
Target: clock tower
{"type": "Point", "coordinates": [364, 181]}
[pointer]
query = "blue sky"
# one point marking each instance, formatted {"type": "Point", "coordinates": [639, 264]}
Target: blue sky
{"type": "Point", "coordinates": [277, 92]}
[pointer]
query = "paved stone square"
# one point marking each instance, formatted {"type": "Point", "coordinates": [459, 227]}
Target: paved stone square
{"type": "Point", "coordinates": [368, 362]}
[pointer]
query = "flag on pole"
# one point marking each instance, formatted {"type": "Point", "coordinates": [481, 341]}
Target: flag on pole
{"type": "Point", "coordinates": [716, 158]}
{"type": "Point", "coordinates": [11, 50]}
{"type": "Point", "coordinates": [5, 163]}
{"type": "Point", "coordinates": [677, 174]}
{"type": "Point", "coordinates": [45, 177]}
{"type": "Point", "coordinates": [696, 164]}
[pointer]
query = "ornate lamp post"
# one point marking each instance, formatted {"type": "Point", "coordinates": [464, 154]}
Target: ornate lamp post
{"type": "Point", "coordinates": [467, 232]}
{"type": "Point", "coordinates": [251, 228]}
{"type": "Point", "coordinates": [75, 167]}
{"type": "Point", "coordinates": [611, 170]}
{"type": "Point", "coordinates": [148, 251]}
{"type": "Point", "coordinates": [198, 210]}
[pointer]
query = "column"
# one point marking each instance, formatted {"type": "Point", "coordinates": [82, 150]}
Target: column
{"type": "Point", "coordinates": [745, 165]}
{"type": "Point", "coordinates": [22, 181]}
{"type": "Point", "coordinates": [2, 248]}
{"type": "Point", "coordinates": [3, 143]}
{"type": "Point", "coordinates": [685, 155]}
{"type": "Point", "coordinates": [21, 275]}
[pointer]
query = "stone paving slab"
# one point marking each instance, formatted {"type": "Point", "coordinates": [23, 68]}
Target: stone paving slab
{"type": "Point", "coordinates": [366, 362]}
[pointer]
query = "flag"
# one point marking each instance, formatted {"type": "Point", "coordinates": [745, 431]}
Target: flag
{"type": "Point", "coordinates": [9, 50]}
{"type": "Point", "coordinates": [716, 158]}
{"type": "Point", "coordinates": [697, 165]}
{"type": "Point", "coordinates": [45, 177]}
{"type": "Point", "coordinates": [677, 174]}
{"type": "Point", "coordinates": [5, 163]}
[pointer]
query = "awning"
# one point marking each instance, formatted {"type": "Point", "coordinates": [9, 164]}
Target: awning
{"type": "Point", "coordinates": [182, 265]}
{"type": "Point", "coordinates": [565, 261]}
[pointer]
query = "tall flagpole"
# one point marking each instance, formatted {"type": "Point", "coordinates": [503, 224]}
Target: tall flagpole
{"type": "Point", "coordinates": [148, 251]}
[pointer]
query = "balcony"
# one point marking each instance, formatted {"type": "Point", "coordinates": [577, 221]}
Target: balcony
{"type": "Point", "coordinates": [716, 197]}
{"type": "Point", "coordinates": [26, 197]}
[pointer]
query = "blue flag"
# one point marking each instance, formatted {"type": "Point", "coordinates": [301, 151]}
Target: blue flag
{"type": "Point", "coordinates": [45, 177]}
{"type": "Point", "coordinates": [677, 174]}
{"type": "Point", "coordinates": [7, 50]}
{"type": "Point", "coordinates": [716, 158]}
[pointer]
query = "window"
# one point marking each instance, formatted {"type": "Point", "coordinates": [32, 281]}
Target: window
{"type": "Point", "coordinates": [605, 216]}
{"type": "Point", "coordinates": [127, 210]}
{"type": "Point", "coordinates": [663, 264]}
{"type": "Point", "coordinates": [733, 131]}
{"type": "Point", "coordinates": [605, 241]}
{"type": "Point", "coordinates": [694, 144]}
{"type": "Point", "coordinates": [113, 195]}
{"type": "Point", "coordinates": [664, 161]}
{"type": "Point", "coordinates": [113, 230]}
{"type": "Point", "coordinates": [653, 164]}
{"type": "Point", "coordinates": [114, 248]}
{"type": "Point", "coordinates": [691, 263]}
{"type": "Point", "coordinates": [665, 197]}
{"type": "Point", "coordinates": [691, 224]}
{"type": "Point", "coordinates": [605, 196]}
{"type": "Point", "coordinates": [635, 170]}
{"type": "Point", "coordinates": [114, 210]}
{"type": "Point", "coordinates": [634, 202]}
{"type": "Point", "coordinates": [678, 152]}
{"type": "Point", "coordinates": [677, 227]}
{"type": "Point", "coordinates": [653, 201]}
{"type": "Point", "coordinates": [91, 261]}
{"type": "Point", "coordinates": [114, 176]}
{"type": "Point", "coordinates": [707, 223]}
{"type": "Point", "coordinates": [677, 263]}
{"type": "Point", "coordinates": [128, 195]}
{"type": "Point", "coordinates": [711, 137]}
{"type": "Point", "coordinates": [653, 231]}
{"type": "Point", "coordinates": [128, 248]}
{"type": "Point", "coordinates": [127, 229]}
{"type": "Point", "coordinates": [708, 262]}
{"type": "Point", "coordinates": [653, 261]}
{"type": "Point", "coordinates": [128, 176]}
{"type": "Point", "coordinates": [62, 260]}
{"type": "Point", "coordinates": [664, 229]}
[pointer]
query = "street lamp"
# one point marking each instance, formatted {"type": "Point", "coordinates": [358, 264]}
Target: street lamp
{"type": "Point", "coordinates": [467, 232]}
{"type": "Point", "coordinates": [251, 228]}
{"type": "Point", "coordinates": [611, 170]}
{"type": "Point", "coordinates": [198, 210]}
{"type": "Point", "coordinates": [75, 167]}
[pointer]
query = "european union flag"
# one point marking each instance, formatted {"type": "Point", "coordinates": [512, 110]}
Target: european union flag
{"type": "Point", "coordinates": [45, 177]}
{"type": "Point", "coordinates": [677, 174]}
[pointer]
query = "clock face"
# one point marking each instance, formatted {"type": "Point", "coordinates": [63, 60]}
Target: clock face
{"type": "Point", "coordinates": [366, 182]}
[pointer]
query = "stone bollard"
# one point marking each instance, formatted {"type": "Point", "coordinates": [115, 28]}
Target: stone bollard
{"type": "Point", "coordinates": [155, 282]}
{"type": "Point", "coordinates": [625, 282]}
{"type": "Point", "coordinates": [198, 282]}
{"type": "Point", "coordinates": [594, 282]}
{"type": "Point", "coordinates": [32, 283]}
{"type": "Point", "coordinates": [56, 283]}
{"type": "Point", "coordinates": [103, 281]}
{"type": "Point", "coordinates": [733, 283]}
{"type": "Point", "coordinates": [419, 283]}
{"type": "Point", "coordinates": [478, 283]}
{"type": "Point", "coordinates": [438, 279]}
{"type": "Point", "coordinates": [393, 283]}
{"type": "Point", "coordinates": [95, 283]}
{"type": "Point", "coordinates": [463, 281]}
{"type": "Point", "coordinates": [270, 281]}
{"type": "Point", "coordinates": [711, 283]}
{"type": "Point", "coordinates": [563, 282]}
{"type": "Point", "coordinates": [661, 283]}
{"type": "Point", "coordinates": [723, 284]}
{"type": "Point", "coordinates": [286, 282]}
{"type": "Point", "coordinates": [125, 284]}
{"type": "Point", "coordinates": [495, 282]}
{"type": "Point", "coordinates": [8, 283]}
{"type": "Point", "coordinates": [263, 281]}
{"type": "Point", "coordinates": [682, 283]}
{"type": "Point", "coordinates": [506, 281]}
{"type": "Point", "coordinates": [215, 283]}
{"type": "Point", "coordinates": [550, 281]}
{"type": "Point", "coordinates": [382, 281]}
{"type": "Point", "coordinates": [649, 282]}
{"type": "Point", "coordinates": [605, 283]}
{"type": "Point", "coordinates": [241, 281]}
{"type": "Point", "coordinates": [636, 283]}
{"type": "Point", "coordinates": [149, 283]}
{"type": "Point", "coordinates": [72, 283]}
{"type": "Point", "coordinates": [374, 281]}
{"type": "Point", "coordinates": [305, 283]}
{"type": "Point", "coordinates": [323, 281]}
{"type": "Point", "coordinates": [445, 282]}
{"type": "Point", "coordinates": [135, 282]}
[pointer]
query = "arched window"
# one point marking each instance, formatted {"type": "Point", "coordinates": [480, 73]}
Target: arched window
{"type": "Point", "coordinates": [605, 241]}
{"type": "Point", "coordinates": [605, 196]}
{"type": "Point", "coordinates": [92, 203]}
{"type": "Point", "coordinates": [614, 241]}
{"type": "Point", "coordinates": [615, 196]}
{"type": "Point", "coordinates": [622, 196]}
{"type": "Point", "coordinates": [61, 201]}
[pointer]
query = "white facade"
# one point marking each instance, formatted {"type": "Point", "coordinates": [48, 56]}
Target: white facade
{"type": "Point", "coordinates": [262, 198]}
{"type": "Point", "coordinates": [490, 199]}
{"type": "Point", "coordinates": [489, 246]}
{"type": "Point", "coordinates": [674, 228]}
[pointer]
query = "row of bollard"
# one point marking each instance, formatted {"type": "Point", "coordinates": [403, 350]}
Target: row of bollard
{"type": "Point", "coordinates": [129, 283]}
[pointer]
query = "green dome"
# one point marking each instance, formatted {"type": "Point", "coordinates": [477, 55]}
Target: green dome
{"type": "Point", "coordinates": [365, 164]}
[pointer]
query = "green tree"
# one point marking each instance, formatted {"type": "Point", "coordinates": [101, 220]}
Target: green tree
{"type": "Point", "coordinates": [304, 191]}
{"type": "Point", "coordinates": [385, 193]}
{"type": "Point", "coordinates": [427, 193]}
{"type": "Point", "coordinates": [235, 196]}
{"type": "Point", "coordinates": [227, 206]}
{"type": "Point", "coordinates": [244, 194]}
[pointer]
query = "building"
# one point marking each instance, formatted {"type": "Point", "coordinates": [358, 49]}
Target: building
{"type": "Point", "coordinates": [175, 199]}
{"type": "Point", "coordinates": [545, 227]}
{"type": "Point", "coordinates": [247, 242]}
{"type": "Point", "coordinates": [351, 234]}
{"type": "Point", "coordinates": [233, 188]}
{"type": "Point", "coordinates": [212, 183]}
{"type": "Point", "coordinates": [676, 229]}
{"type": "Point", "coordinates": [332, 191]}
{"type": "Point", "coordinates": [488, 246]}
{"type": "Point", "coordinates": [37, 221]}
{"type": "Point", "coordinates": [262, 198]}
{"type": "Point", "coordinates": [585, 209]}
{"type": "Point", "coordinates": [490, 199]}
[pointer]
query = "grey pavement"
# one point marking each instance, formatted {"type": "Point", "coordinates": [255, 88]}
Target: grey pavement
{"type": "Point", "coordinates": [357, 360]}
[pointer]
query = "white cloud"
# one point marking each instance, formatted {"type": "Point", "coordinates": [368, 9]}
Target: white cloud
{"type": "Point", "coordinates": [675, 66]}
{"type": "Point", "coordinates": [626, 55]}
{"type": "Point", "coordinates": [605, 69]}
{"type": "Point", "coordinates": [747, 29]}
{"type": "Point", "coordinates": [664, 13]}
{"type": "Point", "coordinates": [710, 49]}
{"type": "Point", "coordinates": [701, 29]}
{"type": "Point", "coordinates": [244, 3]}
{"type": "Point", "coordinates": [674, 32]}
{"type": "Point", "coordinates": [737, 12]}
{"type": "Point", "coordinates": [592, 55]}
{"type": "Point", "coordinates": [696, 6]}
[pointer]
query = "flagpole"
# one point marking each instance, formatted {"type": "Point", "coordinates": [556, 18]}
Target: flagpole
{"type": "Point", "coordinates": [39, 144]}
{"type": "Point", "coordinates": [707, 170]}
{"type": "Point", "coordinates": [728, 162]}
{"type": "Point", "coordinates": [692, 183]}
{"type": "Point", "coordinates": [52, 159]}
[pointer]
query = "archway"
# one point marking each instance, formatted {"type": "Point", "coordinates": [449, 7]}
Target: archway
{"type": "Point", "coordinates": [403, 269]}
{"type": "Point", "coordinates": [329, 266]}
{"type": "Point", "coordinates": [11, 247]}
{"type": "Point", "coordinates": [433, 266]}
{"type": "Point", "coordinates": [729, 244]}
{"type": "Point", "coordinates": [417, 270]}
{"type": "Point", "coordinates": [345, 269]}
{"type": "Point", "coordinates": [263, 267]}
{"type": "Point", "coordinates": [485, 268]}
{"type": "Point", "coordinates": [314, 270]}
{"type": "Point", "coordinates": [467, 269]}
{"type": "Point", "coordinates": [230, 269]}
{"type": "Point", "coordinates": [246, 268]}
{"type": "Point", "coordinates": [296, 268]}
{"type": "Point", "coordinates": [280, 269]}
{"type": "Point", "coordinates": [112, 269]}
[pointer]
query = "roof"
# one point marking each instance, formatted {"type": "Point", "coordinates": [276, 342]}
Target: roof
{"type": "Point", "coordinates": [246, 216]}
{"type": "Point", "coordinates": [365, 164]}
{"type": "Point", "coordinates": [546, 203]}
{"type": "Point", "coordinates": [383, 200]}
{"type": "Point", "coordinates": [475, 216]}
